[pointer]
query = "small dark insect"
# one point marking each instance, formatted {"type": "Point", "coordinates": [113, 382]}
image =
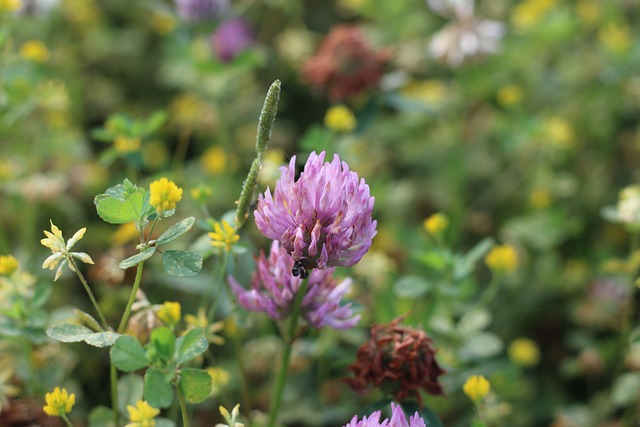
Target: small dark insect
{"type": "Point", "coordinates": [299, 269]}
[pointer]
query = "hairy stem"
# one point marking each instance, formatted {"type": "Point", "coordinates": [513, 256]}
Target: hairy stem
{"type": "Point", "coordinates": [105, 325]}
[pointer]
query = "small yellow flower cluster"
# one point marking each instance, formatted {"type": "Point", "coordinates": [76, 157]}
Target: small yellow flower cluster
{"type": "Point", "coordinates": [476, 387]}
{"type": "Point", "coordinates": [61, 254]}
{"type": "Point", "coordinates": [510, 95]}
{"type": "Point", "coordinates": [219, 378]}
{"type": "Point", "coordinates": [170, 313]}
{"type": "Point", "coordinates": [10, 5]}
{"type": "Point", "coordinates": [436, 223]}
{"type": "Point", "coordinates": [210, 329]}
{"type": "Point", "coordinates": [8, 265]}
{"type": "Point", "coordinates": [223, 236]}
{"type": "Point", "coordinates": [340, 119]}
{"type": "Point", "coordinates": [125, 144]}
{"type": "Point", "coordinates": [528, 13]}
{"type": "Point", "coordinates": [142, 415]}
{"type": "Point", "coordinates": [34, 50]}
{"type": "Point", "coordinates": [201, 193]}
{"type": "Point", "coordinates": [164, 195]}
{"type": "Point", "coordinates": [524, 352]}
{"type": "Point", "coordinates": [502, 259]}
{"type": "Point", "coordinates": [59, 402]}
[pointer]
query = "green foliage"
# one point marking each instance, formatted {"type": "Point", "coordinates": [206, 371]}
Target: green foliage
{"type": "Point", "coordinates": [195, 384]}
{"type": "Point", "coordinates": [157, 388]}
{"type": "Point", "coordinates": [122, 204]}
{"type": "Point", "coordinates": [181, 263]}
{"type": "Point", "coordinates": [70, 332]}
{"type": "Point", "coordinates": [128, 355]}
{"type": "Point", "coordinates": [175, 231]}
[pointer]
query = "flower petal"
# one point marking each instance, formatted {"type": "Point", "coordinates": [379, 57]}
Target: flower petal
{"type": "Point", "coordinates": [79, 234]}
{"type": "Point", "coordinates": [82, 256]}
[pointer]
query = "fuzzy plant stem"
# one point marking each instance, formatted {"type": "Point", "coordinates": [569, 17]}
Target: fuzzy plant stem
{"type": "Point", "coordinates": [105, 325]}
{"type": "Point", "coordinates": [183, 407]}
{"type": "Point", "coordinates": [265, 125]}
{"type": "Point", "coordinates": [284, 368]}
{"type": "Point", "coordinates": [132, 297]}
{"type": "Point", "coordinates": [113, 376]}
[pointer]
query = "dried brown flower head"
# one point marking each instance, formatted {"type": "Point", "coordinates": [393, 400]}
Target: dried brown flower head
{"type": "Point", "coordinates": [345, 64]}
{"type": "Point", "coordinates": [399, 360]}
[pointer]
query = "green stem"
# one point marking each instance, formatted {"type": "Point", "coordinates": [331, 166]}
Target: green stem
{"type": "Point", "coordinates": [490, 292]}
{"type": "Point", "coordinates": [219, 281]}
{"type": "Point", "coordinates": [66, 420]}
{"type": "Point", "coordinates": [183, 407]}
{"type": "Point", "coordinates": [105, 325]}
{"type": "Point", "coordinates": [282, 375]}
{"type": "Point", "coordinates": [114, 393]}
{"type": "Point", "coordinates": [132, 297]}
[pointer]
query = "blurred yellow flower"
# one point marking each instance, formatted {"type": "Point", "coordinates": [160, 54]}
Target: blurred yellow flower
{"type": "Point", "coordinates": [430, 91]}
{"type": "Point", "coordinates": [476, 387]}
{"type": "Point", "coordinates": [528, 13]}
{"type": "Point", "coordinates": [616, 37]}
{"type": "Point", "coordinates": [436, 223]}
{"type": "Point", "coordinates": [340, 118]}
{"type": "Point", "coordinates": [142, 415]}
{"type": "Point", "coordinates": [170, 313]}
{"type": "Point", "coordinates": [10, 5]}
{"type": "Point", "coordinates": [558, 132]}
{"type": "Point", "coordinates": [210, 329]}
{"type": "Point", "coordinates": [201, 193]}
{"type": "Point", "coordinates": [219, 378]}
{"type": "Point", "coordinates": [165, 194]}
{"type": "Point", "coordinates": [539, 198]}
{"type": "Point", "coordinates": [125, 144]}
{"type": "Point", "coordinates": [8, 264]}
{"type": "Point", "coordinates": [589, 11]}
{"type": "Point", "coordinates": [34, 50]}
{"type": "Point", "coordinates": [214, 160]}
{"type": "Point", "coordinates": [185, 110]}
{"type": "Point", "coordinates": [295, 45]}
{"type": "Point", "coordinates": [81, 12]}
{"type": "Point", "coordinates": [509, 95]}
{"type": "Point", "coordinates": [125, 233]}
{"type": "Point", "coordinates": [502, 259]}
{"type": "Point", "coordinates": [223, 235]}
{"type": "Point", "coordinates": [59, 402]}
{"type": "Point", "coordinates": [162, 23]}
{"type": "Point", "coordinates": [524, 352]}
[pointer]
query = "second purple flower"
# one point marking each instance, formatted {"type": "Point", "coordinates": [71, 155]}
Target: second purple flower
{"type": "Point", "coordinates": [322, 219]}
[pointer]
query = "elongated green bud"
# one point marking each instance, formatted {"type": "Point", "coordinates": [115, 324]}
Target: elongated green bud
{"type": "Point", "coordinates": [265, 124]}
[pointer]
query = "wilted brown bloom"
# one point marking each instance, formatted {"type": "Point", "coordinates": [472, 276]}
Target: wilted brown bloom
{"type": "Point", "coordinates": [345, 65]}
{"type": "Point", "coordinates": [399, 360]}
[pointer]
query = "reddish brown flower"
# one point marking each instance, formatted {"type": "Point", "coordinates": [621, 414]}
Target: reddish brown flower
{"type": "Point", "coordinates": [399, 360]}
{"type": "Point", "coordinates": [345, 65]}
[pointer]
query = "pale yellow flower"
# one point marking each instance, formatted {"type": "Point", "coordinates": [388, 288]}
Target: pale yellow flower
{"type": "Point", "coordinates": [436, 223]}
{"type": "Point", "coordinates": [430, 91]}
{"type": "Point", "coordinates": [340, 118]}
{"type": "Point", "coordinates": [10, 5]}
{"type": "Point", "coordinates": [164, 195]}
{"type": "Point", "coordinates": [125, 233]}
{"type": "Point", "coordinates": [509, 95]}
{"type": "Point", "coordinates": [142, 415]}
{"type": "Point", "coordinates": [502, 259]}
{"type": "Point", "coordinates": [616, 37]}
{"type": "Point", "coordinates": [558, 131]}
{"type": "Point", "coordinates": [476, 387]}
{"type": "Point", "coordinates": [524, 352]}
{"type": "Point", "coordinates": [59, 402]}
{"type": "Point", "coordinates": [529, 13]}
{"type": "Point", "coordinates": [214, 160]}
{"type": "Point", "coordinates": [34, 50]}
{"type": "Point", "coordinates": [219, 378]}
{"type": "Point", "coordinates": [8, 265]}
{"type": "Point", "coordinates": [62, 251]}
{"type": "Point", "coordinates": [125, 144]}
{"type": "Point", "coordinates": [223, 235]}
{"type": "Point", "coordinates": [170, 313]}
{"type": "Point", "coordinates": [210, 329]}
{"type": "Point", "coordinates": [231, 419]}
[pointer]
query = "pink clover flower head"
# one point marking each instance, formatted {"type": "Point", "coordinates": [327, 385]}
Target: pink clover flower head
{"type": "Point", "coordinates": [200, 10]}
{"type": "Point", "coordinates": [398, 419]}
{"type": "Point", "coordinates": [273, 291]}
{"type": "Point", "coordinates": [231, 38]}
{"type": "Point", "coordinates": [322, 219]}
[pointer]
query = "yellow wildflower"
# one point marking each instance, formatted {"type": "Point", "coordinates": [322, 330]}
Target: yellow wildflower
{"type": "Point", "coordinates": [201, 193]}
{"type": "Point", "coordinates": [162, 23]}
{"type": "Point", "coordinates": [476, 387]}
{"type": "Point", "coordinates": [223, 235]}
{"type": "Point", "coordinates": [502, 259]}
{"type": "Point", "coordinates": [430, 91]}
{"type": "Point", "coordinates": [210, 329]}
{"type": "Point", "coordinates": [539, 198]}
{"type": "Point", "coordinates": [214, 160]}
{"type": "Point", "coordinates": [616, 37]}
{"type": "Point", "coordinates": [510, 95]}
{"type": "Point", "coordinates": [436, 223]}
{"type": "Point", "coordinates": [61, 250]}
{"type": "Point", "coordinates": [170, 313]}
{"type": "Point", "coordinates": [589, 11]}
{"type": "Point", "coordinates": [125, 144]}
{"type": "Point", "coordinates": [34, 50]}
{"type": "Point", "coordinates": [219, 378]}
{"type": "Point", "coordinates": [528, 13]}
{"type": "Point", "coordinates": [142, 415]}
{"type": "Point", "coordinates": [8, 264]}
{"type": "Point", "coordinates": [340, 119]}
{"type": "Point", "coordinates": [10, 5]}
{"type": "Point", "coordinates": [59, 402]}
{"type": "Point", "coordinates": [524, 352]}
{"type": "Point", "coordinates": [230, 418]}
{"type": "Point", "coordinates": [165, 194]}
{"type": "Point", "coordinates": [558, 132]}
{"type": "Point", "coordinates": [125, 233]}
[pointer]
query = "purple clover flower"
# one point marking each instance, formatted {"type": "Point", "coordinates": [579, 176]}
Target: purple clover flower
{"type": "Point", "coordinates": [200, 10]}
{"type": "Point", "coordinates": [322, 219]}
{"type": "Point", "coordinates": [398, 419]}
{"type": "Point", "coordinates": [231, 38]}
{"type": "Point", "coordinates": [273, 291]}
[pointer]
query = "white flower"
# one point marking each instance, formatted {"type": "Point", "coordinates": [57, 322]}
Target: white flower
{"type": "Point", "coordinates": [61, 253]}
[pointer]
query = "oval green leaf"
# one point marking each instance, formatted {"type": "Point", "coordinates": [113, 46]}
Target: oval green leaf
{"type": "Point", "coordinates": [157, 390]}
{"type": "Point", "coordinates": [176, 231]}
{"type": "Point", "coordinates": [137, 258]}
{"type": "Point", "coordinates": [127, 354]}
{"type": "Point", "coordinates": [181, 263]}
